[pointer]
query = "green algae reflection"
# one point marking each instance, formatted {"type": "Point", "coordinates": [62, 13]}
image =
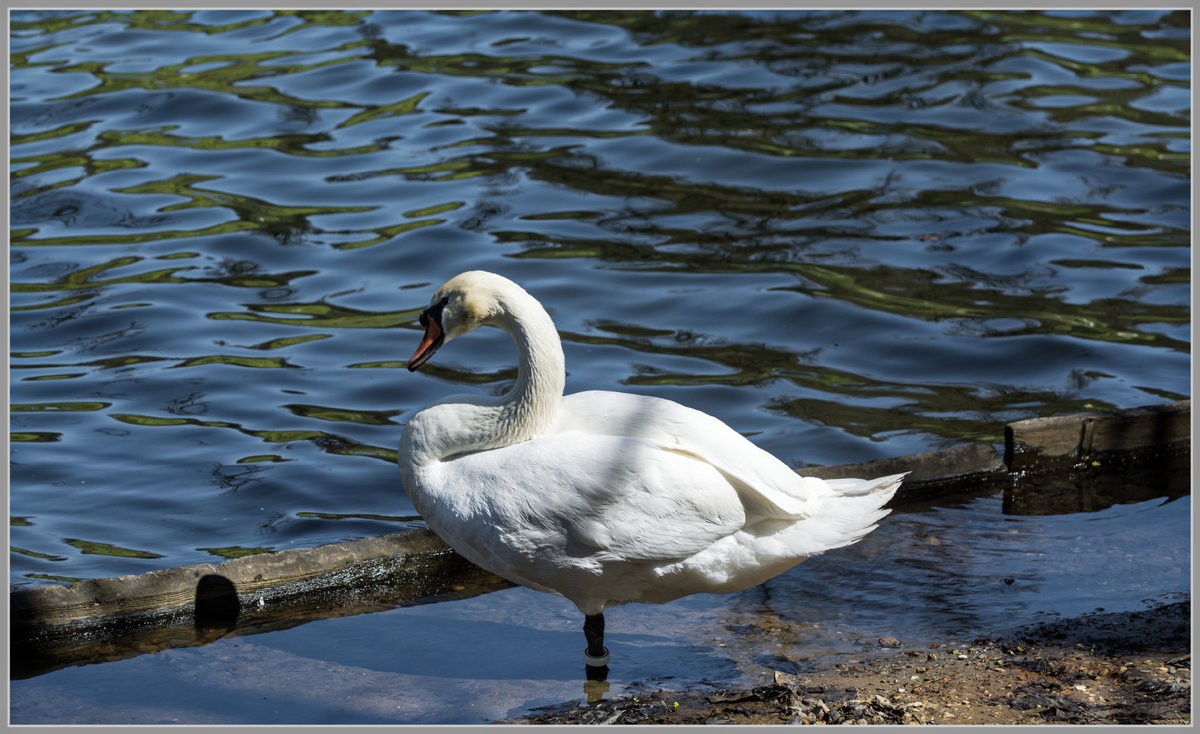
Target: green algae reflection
{"type": "Point", "coordinates": [328, 442]}
{"type": "Point", "coordinates": [97, 548]}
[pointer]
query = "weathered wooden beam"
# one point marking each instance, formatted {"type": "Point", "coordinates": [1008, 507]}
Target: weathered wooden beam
{"type": "Point", "coordinates": [973, 466]}
{"type": "Point", "coordinates": [1057, 441]}
{"type": "Point", "coordinates": [111, 619]}
{"type": "Point", "coordinates": [53, 605]}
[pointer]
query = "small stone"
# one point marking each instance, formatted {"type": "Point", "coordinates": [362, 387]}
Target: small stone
{"type": "Point", "coordinates": [889, 642]}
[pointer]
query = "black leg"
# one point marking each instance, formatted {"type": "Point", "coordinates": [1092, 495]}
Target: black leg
{"type": "Point", "coordinates": [593, 630]}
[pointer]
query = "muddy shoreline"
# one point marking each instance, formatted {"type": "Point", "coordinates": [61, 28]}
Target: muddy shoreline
{"type": "Point", "coordinates": [1102, 668]}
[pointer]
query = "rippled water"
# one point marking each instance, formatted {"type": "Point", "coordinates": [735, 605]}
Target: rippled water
{"type": "Point", "coordinates": [850, 235]}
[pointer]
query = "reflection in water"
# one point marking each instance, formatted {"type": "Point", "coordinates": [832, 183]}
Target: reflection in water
{"type": "Point", "coordinates": [596, 684]}
{"type": "Point", "coordinates": [850, 235]}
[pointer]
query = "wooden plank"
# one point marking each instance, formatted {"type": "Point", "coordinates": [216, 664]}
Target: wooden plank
{"type": "Point", "coordinates": [219, 610]}
{"type": "Point", "coordinates": [960, 468]}
{"type": "Point", "coordinates": [938, 464]}
{"type": "Point", "coordinates": [54, 605]}
{"type": "Point", "coordinates": [1064, 440]}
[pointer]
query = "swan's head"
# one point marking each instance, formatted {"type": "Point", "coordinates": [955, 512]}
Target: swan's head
{"type": "Point", "coordinates": [466, 302]}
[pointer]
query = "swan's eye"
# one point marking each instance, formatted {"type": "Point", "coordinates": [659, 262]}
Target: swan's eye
{"type": "Point", "coordinates": [434, 310]}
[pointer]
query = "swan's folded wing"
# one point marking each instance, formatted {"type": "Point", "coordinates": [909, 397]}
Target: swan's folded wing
{"type": "Point", "coordinates": [606, 498]}
{"type": "Point", "coordinates": [769, 489]}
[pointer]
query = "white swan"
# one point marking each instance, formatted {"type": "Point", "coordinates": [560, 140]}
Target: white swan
{"type": "Point", "coordinates": [604, 497]}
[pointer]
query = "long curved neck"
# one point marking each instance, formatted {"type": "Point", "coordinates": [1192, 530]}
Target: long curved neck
{"type": "Point", "coordinates": [525, 412]}
{"type": "Point", "coordinates": [528, 409]}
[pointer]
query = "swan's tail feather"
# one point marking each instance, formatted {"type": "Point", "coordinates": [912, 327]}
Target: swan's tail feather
{"type": "Point", "coordinates": [848, 515]}
{"type": "Point", "coordinates": [856, 487]}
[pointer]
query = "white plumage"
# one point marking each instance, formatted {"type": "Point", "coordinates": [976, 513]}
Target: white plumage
{"type": "Point", "coordinates": [605, 497]}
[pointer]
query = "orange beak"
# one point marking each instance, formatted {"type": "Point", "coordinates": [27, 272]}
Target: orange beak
{"type": "Point", "coordinates": [431, 319]}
